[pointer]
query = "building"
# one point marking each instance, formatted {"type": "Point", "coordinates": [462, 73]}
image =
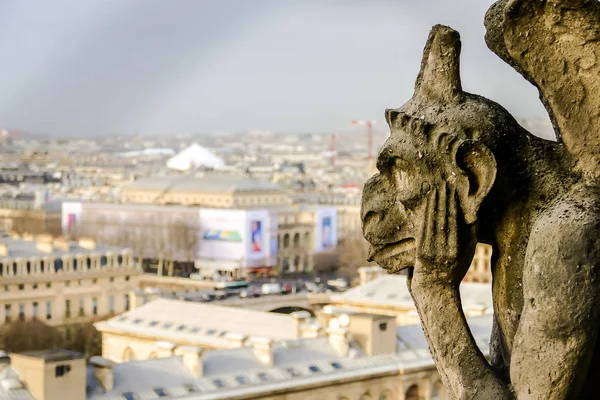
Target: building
{"type": "Point", "coordinates": [29, 212]}
{"type": "Point", "coordinates": [215, 241]}
{"type": "Point", "coordinates": [206, 190]}
{"type": "Point", "coordinates": [61, 282]}
{"type": "Point", "coordinates": [384, 294]}
{"type": "Point", "coordinates": [481, 266]}
{"type": "Point", "coordinates": [361, 356]}
{"type": "Point", "coordinates": [136, 334]}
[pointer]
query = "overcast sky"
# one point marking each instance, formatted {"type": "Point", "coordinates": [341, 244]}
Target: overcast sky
{"type": "Point", "coordinates": [83, 67]}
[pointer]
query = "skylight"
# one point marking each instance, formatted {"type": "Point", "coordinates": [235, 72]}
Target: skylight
{"type": "Point", "coordinates": [153, 323]}
{"type": "Point", "coordinates": [241, 380]}
{"type": "Point", "coordinates": [129, 396]}
{"type": "Point", "coordinates": [263, 376]}
{"type": "Point", "coordinates": [314, 368]}
{"type": "Point", "coordinates": [211, 331]}
{"type": "Point", "coordinates": [167, 325]}
{"type": "Point", "coordinates": [195, 329]}
{"type": "Point", "coordinates": [160, 392]}
{"type": "Point", "coordinates": [191, 388]}
{"type": "Point", "coordinates": [219, 383]}
{"type": "Point", "coordinates": [181, 327]}
{"type": "Point", "coordinates": [293, 372]}
{"type": "Point", "coordinates": [336, 365]}
{"type": "Point", "coordinates": [137, 321]}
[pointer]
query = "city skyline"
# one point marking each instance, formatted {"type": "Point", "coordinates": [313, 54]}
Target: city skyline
{"type": "Point", "coordinates": [98, 68]}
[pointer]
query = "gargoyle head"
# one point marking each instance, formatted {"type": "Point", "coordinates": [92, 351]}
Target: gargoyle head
{"type": "Point", "coordinates": [442, 136]}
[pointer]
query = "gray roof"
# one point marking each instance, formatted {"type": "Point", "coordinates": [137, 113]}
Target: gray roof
{"type": "Point", "coordinates": [392, 290]}
{"type": "Point", "coordinates": [215, 183]}
{"type": "Point", "coordinates": [232, 372]}
{"type": "Point", "coordinates": [52, 355]}
{"type": "Point", "coordinates": [199, 323]}
{"type": "Point", "coordinates": [28, 248]}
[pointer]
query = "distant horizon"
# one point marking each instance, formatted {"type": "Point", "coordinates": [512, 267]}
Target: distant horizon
{"type": "Point", "coordinates": [95, 68]}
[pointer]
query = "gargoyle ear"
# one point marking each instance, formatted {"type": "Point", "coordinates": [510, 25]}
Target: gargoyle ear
{"type": "Point", "coordinates": [390, 116]}
{"type": "Point", "coordinates": [478, 167]}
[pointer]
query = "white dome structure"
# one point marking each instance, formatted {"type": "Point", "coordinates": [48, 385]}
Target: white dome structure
{"type": "Point", "coordinates": [193, 157]}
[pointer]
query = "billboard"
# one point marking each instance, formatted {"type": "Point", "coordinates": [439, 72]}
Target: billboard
{"type": "Point", "coordinates": [325, 229]}
{"type": "Point", "coordinates": [222, 234]}
{"type": "Point", "coordinates": [71, 219]}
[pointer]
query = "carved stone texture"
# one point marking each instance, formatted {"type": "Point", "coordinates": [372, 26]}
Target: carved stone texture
{"type": "Point", "coordinates": [457, 169]}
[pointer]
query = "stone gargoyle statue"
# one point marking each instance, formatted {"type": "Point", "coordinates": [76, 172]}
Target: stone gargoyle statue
{"type": "Point", "coordinates": [458, 169]}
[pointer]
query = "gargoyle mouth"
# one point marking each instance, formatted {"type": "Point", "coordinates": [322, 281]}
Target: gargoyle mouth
{"type": "Point", "coordinates": [383, 251]}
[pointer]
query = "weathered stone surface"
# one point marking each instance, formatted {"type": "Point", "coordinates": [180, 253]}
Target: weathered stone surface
{"type": "Point", "coordinates": [458, 169]}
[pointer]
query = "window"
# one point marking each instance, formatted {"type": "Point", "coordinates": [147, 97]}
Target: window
{"type": "Point", "coordinates": [67, 283]}
{"type": "Point", "coordinates": [120, 259]}
{"type": "Point", "coordinates": [68, 308]}
{"type": "Point", "coordinates": [7, 313]}
{"type": "Point", "coordinates": [191, 388]}
{"type": "Point", "coordinates": [111, 304]}
{"type": "Point", "coordinates": [94, 281]}
{"type": "Point", "coordinates": [383, 326]}
{"type": "Point", "coordinates": [412, 393]}
{"type": "Point", "coordinates": [263, 376]}
{"type": "Point", "coordinates": [160, 392]}
{"type": "Point", "coordinates": [127, 278]}
{"type": "Point", "coordinates": [61, 370]}
{"type": "Point", "coordinates": [35, 309]}
{"type": "Point", "coordinates": [241, 380]}
{"type": "Point", "coordinates": [219, 383]}
{"type": "Point", "coordinates": [48, 309]}
{"type": "Point", "coordinates": [129, 396]}
{"type": "Point", "coordinates": [6, 289]}
{"type": "Point", "coordinates": [21, 286]}
{"type": "Point", "coordinates": [74, 264]}
{"type": "Point", "coordinates": [22, 311]}
{"type": "Point", "coordinates": [81, 307]}
{"type": "Point", "coordinates": [48, 284]}
{"type": "Point", "coordinates": [34, 286]}
{"type": "Point", "coordinates": [336, 365]}
{"type": "Point", "coordinates": [126, 302]}
{"type": "Point", "coordinates": [94, 306]}
{"type": "Point", "coordinates": [58, 265]}
{"type": "Point", "coordinates": [111, 279]}
{"type": "Point", "coordinates": [103, 261]}
{"type": "Point", "coordinates": [314, 368]}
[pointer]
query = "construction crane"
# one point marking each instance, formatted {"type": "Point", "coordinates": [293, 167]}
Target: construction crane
{"type": "Point", "coordinates": [369, 124]}
{"type": "Point", "coordinates": [333, 136]}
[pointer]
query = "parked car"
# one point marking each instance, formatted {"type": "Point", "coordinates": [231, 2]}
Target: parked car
{"type": "Point", "coordinates": [248, 293]}
{"type": "Point", "coordinates": [287, 288]}
{"type": "Point", "coordinates": [207, 297]}
{"type": "Point", "coordinates": [220, 295]}
{"type": "Point", "coordinates": [271, 288]}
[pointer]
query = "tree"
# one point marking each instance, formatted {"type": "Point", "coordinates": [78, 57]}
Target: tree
{"type": "Point", "coordinates": [30, 335]}
{"type": "Point", "coordinates": [353, 253]}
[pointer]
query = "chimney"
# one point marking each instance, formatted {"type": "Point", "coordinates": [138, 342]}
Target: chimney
{"type": "Point", "coordinates": [300, 318]}
{"type": "Point", "coordinates": [339, 340]}
{"type": "Point", "coordinates": [263, 350]}
{"type": "Point", "coordinates": [165, 349]}
{"type": "Point", "coordinates": [87, 243]}
{"type": "Point", "coordinates": [103, 371]}
{"type": "Point", "coordinates": [375, 334]}
{"type": "Point", "coordinates": [44, 243]}
{"type": "Point", "coordinates": [3, 250]}
{"type": "Point", "coordinates": [62, 244]}
{"type": "Point", "coordinates": [368, 274]}
{"type": "Point", "coordinates": [192, 359]}
{"type": "Point", "coordinates": [236, 340]}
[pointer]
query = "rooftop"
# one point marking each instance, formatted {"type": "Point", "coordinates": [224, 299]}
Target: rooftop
{"type": "Point", "coordinates": [208, 183]}
{"type": "Point", "coordinates": [20, 248]}
{"type": "Point", "coordinates": [198, 323]}
{"type": "Point", "coordinates": [52, 355]}
{"type": "Point", "coordinates": [392, 290]}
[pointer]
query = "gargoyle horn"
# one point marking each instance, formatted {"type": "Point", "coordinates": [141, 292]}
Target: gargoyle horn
{"type": "Point", "coordinates": [439, 78]}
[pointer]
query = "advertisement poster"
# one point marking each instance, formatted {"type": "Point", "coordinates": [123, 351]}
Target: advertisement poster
{"type": "Point", "coordinates": [326, 232]}
{"type": "Point", "coordinates": [71, 218]}
{"type": "Point", "coordinates": [256, 236]}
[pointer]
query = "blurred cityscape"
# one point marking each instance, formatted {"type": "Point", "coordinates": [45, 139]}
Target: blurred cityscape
{"type": "Point", "coordinates": [208, 266]}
